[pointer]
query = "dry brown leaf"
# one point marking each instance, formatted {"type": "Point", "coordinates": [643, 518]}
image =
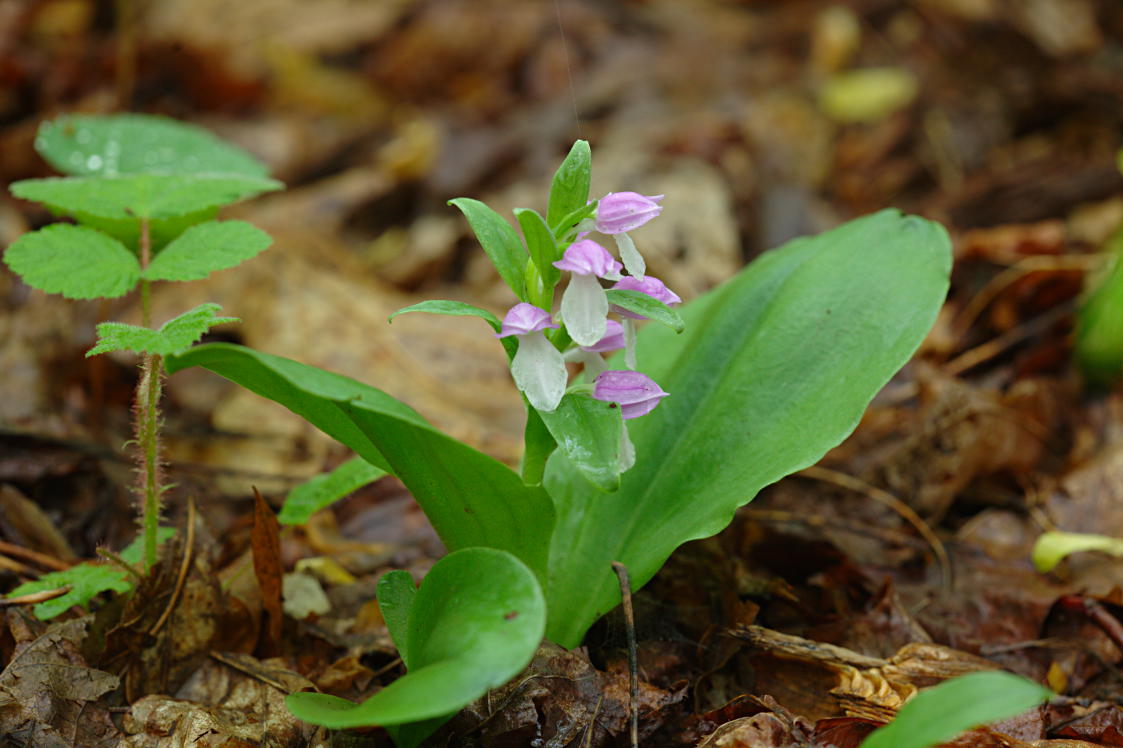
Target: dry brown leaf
{"type": "Point", "coordinates": [266, 543]}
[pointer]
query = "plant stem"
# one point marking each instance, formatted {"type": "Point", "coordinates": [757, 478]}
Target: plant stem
{"type": "Point", "coordinates": [147, 406]}
{"type": "Point", "coordinates": [148, 442]}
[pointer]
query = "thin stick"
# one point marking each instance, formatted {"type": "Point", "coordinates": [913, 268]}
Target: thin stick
{"type": "Point", "coordinates": [633, 662]}
{"type": "Point", "coordinates": [184, 566]}
{"type": "Point", "coordinates": [988, 350]}
{"type": "Point", "coordinates": [884, 497]}
{"type": "Point", "coordinates": [34, 597]}
{"type": "Point", "coordinates": [42, 559]}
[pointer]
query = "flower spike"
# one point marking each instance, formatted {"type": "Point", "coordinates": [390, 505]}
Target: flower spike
{"type": "Point", "coordinates": [618, 212]}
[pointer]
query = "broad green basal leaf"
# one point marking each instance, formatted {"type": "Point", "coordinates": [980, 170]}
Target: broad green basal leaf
{"type": "Point", "coordinates": [939, 714]}
{"type": "Point", "coordinates": [205, 248]}
{"type": "Point", "coordinates": [324, 490]}
{"type": "Point", "coordinates": [775, 368]}
{"type": "Point", "coordinates": [116, 144]}
{"type": "Point", "coordinates": [471, 499]}
{"type": "Point", "coordinates": [75, 261]}
{"type": "Point", "coordinates": [474, 624]}
{"type": "Point", "coordinates": [396, 593]}
{"type": "Point", "coordinates": [139, 196]}
{"type": "Point", "coordinates": [174, 336]}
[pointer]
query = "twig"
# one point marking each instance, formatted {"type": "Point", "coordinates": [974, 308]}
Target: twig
{"type": "Point", "coordinates": [988, 350]}
{"type": "Point", "coordinates": [183, 568]}
{"type": "Point", "coordinates": [884, 497]}
{"type": "Point", "coordinates": [42, 559]}
{"type": "Point", "coordinates": [122, 563]}
{"type": "Point", "coordinates": [18, 567]}
{"type": "Point", "coordinates": [633, 662]}
{"type": "Point", "coordinates": [34, 597]}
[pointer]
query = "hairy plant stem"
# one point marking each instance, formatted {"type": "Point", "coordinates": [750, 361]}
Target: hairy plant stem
{"type": "Point", "coordinates": [147, 427]}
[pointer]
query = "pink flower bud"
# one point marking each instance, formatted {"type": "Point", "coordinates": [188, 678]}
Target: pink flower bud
{"type": "Point", "coordinates": [618, 212]}
{"type": "Point", "coordinates": [523, 319]}
{"type": "Point", "coordinates": [636, 393]}
{"type": "Point", "coordinates": [651, 286]}
{"type": "Point", "coordinates": [586, 257]}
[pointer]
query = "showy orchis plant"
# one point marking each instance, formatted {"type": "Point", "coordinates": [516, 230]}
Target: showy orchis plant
{"type": "Point", "coordinates": [143, 192]}
{"type": "Point", "coordinates": [774, 368]}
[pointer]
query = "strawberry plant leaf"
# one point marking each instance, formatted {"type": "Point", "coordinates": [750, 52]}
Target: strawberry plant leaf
{"type": "Point", "coordinates": [112, 145]}
{"type": "Point", "coordinates": [140, 195]}
{"type": "Point", "coordinates": [205, 248]}
{"type": "Point", "coordinates": [86, 581]}
{"type": "Point", "coordinates": [75, 261]}
{"type": "Point", "coordinates": [174, 336]}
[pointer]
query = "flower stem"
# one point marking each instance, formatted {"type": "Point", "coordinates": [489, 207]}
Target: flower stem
{"type": "Point", "coordinates": [145, 258]}
{"type": "Point", "coordinates": [147, 408]}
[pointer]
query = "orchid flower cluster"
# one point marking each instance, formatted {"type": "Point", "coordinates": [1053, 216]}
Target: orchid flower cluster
{"type": "Point", "coordinates": [539, 367]}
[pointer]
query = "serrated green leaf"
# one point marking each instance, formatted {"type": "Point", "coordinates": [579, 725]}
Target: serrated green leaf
{"type": "Point", "coordinates": [452, 308]}
{"type": "Point", "coordinates": [938, 714]}
{"type": "Point", "coordinates": [1051, 547]}
{"type": "Point", "coordinates": [324, 490]}
{"type": "Point", "coordinates": [650, 307]}
{"type": "Point", "coordinates": [117, 144]}
{"type": "Point", "coordinates": [74, 261]}
{"type": "Point", "coordinates": [86, 581]}
{"type": "Point", "coordinates": [588, 432]}
{"type": "Point", "coordinates": [174, 336]}
{"type": "Point", "coordinates": [134, 551]}
{"type": "Point", "coordinates": [475, 623]}
{"type": "Point", "coordinates": [141, 195]}
{"type": "Point", "coordinates": [205, 248]}
{"type": "Point", "coordinates": [396, 593]}
{"type": "Point", "coordinates": [498, 240]}
{"type": "Point", "coordinates": [543, 248]}
{"type": "Point", "coordinates": [569, 190]}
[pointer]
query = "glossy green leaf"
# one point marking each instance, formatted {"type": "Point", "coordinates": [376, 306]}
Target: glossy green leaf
{"type": "Point", "coordinates": [140, 195]}
{"type": "Point", "coordinates": [499, 240]}
{"type": "Point", "coordinates": [1099, 324]}
{"type": "Point", "coordinates": [86, 581]}
{"type": "Point", "coordinates": [588, 432]}
{"type": "Point", "coordinates": [776, 367]}
{"type": "Point", "coordinates": [570, 188]}
{"type": "Point", "coordinates": [938, 714]}
{"type": "Point", "coordinates": [453, 308]}
{"type": "Point", "coordinates": [474, 624]}
{"type": "Point", "coordinates": [542, 246]}
{"type": "Point", "coordinates": [470, 498]}
{"type": "Point", "coordinates": [396, 593]}
{"type": "Point", "coordinates": [566, 229]}
{"type": "Point", "coordinates": [1051, 547]}
{"type": "Point", "coordinates": [205, 248]}
{"type": "Point", "coordinates": [538, 445]}
{"type": "Point", "coordinates": [648, 306]}
{"type": "Point", "coordinates": [324, 490]}
{"type": "Point", "coordinates": [173, 336]}
{"type": "Point", "coordinates": [116, 144]}
{"type": "Point", "coordinates": [75, 261]}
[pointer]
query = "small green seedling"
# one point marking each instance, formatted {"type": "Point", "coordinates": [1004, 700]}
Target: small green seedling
{"type": "Point", "coordinates": [762, 376]}
{"type": "Point", "coordinates": [939, 714]}
{"type": "Point", "coordinates": [142, 193]}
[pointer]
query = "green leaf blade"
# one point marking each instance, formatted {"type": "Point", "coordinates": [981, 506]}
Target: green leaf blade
{"type": "Point", "coordinates": [174, 336]}
{"type": "Point", "coordinates": [648, 306]}
{"type": "Point", "coordinates": [75, 261]}
{"type": "Point", "coordinates": [498, 240]}
{"type": "Point", "coordinates": [939, 714]}
{"type": "Point", "coordinates": [776, 367]}
{"type": "Point", "coordinates": [152, 196]}
{"type": "Point", "coordinates": [588, 432]}
{"type": "Point", "coordinates": [112, 145]}
{"type": "Point", "coordinates": [569, 190]}
{"type": "Point", "coordinates": [324, 490]}
{"type": "Point", "coordinates": [396, 593]}
{"type": "Point", "coordinates": [451, 308]}
{"type": "Point", "coordinates": [474, 624]}
{"type": "Point", "coordinates": [86, 581]}
{"type": "Point", "coordinates": [540, 242]}
{"type": "Point", "coordinates": [205, 248]}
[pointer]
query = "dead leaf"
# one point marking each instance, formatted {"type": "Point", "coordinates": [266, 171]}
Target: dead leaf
{"type": "Point", "coordinates": [266, 543]}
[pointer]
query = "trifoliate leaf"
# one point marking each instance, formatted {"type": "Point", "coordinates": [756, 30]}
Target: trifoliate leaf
{"type": "Point", "coordinates": [206, 247]}
{"type": "Point", "coordinates": [75, 261]}
{"type": "Point", "coordinates": [112, 145]}
{"type": "Point", "coordinates": [174, 336]}
{"type": "Point", "coordinates": [323, 490]}
{"type": "Point", "coordinates": [86, 581]}
{"type": "Point", "coordinates": [141, 195]}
